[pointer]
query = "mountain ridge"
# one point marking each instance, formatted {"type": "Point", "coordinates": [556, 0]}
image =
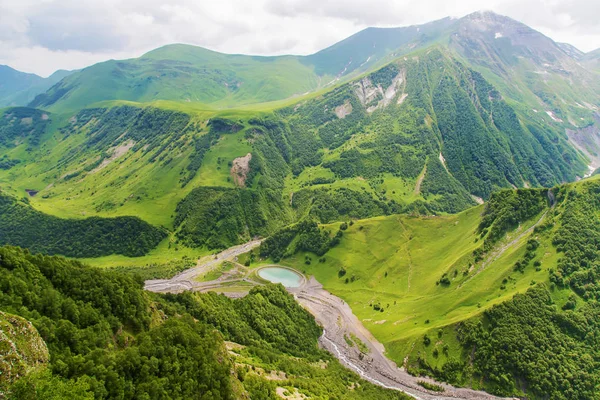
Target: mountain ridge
{"type": "Point", "coordinates": [19, 88]}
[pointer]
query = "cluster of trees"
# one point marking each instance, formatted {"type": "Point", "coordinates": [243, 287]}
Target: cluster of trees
{"type": "Point", "coordinates": [529, 345]}
{"type": "Point", "coordinates": [22, 123]}
{"type": "Point", "coordinates": [202, 143]}
{"type": "Point", "coordinates": [7, 163]}
{"type": "Point", "coordinates": [336, 204]}
{"type": "Point", "coordinates": [506, 209]}
{"type": "Point", "coordinates": [578, 238]}
{"type": "Point", "coordinates": [448, 194]}
{"type": "Point", "coordinates": [304, 236]}
{"type": "Point", "coordinates": [528, 348]}
{"type": "Point", "coordinates": [219, 217]}
{"type": "Point", "coordinates": [21, 225]}
{"type": "Point", "coordinates": [157, 132]}
{"type": "Point", "coordinates": [97, 326]}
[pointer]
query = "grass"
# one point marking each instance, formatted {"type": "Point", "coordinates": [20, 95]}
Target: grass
{"type": "Point", "coordinates": [216, 272]}
{"type": "Point", "coordinates": [129, 185]}
{"type": "Point", "coordinates": [395, 263]}
{"type": "Point", "coordinates": [362, 347]}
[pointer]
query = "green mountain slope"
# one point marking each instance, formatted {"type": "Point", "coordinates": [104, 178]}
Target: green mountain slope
{"type": "Point", "coordinates": [375, 46]}
{"type": "Point", "coordinates": [592, 59]}
{"type": "Point", "coordinates": [438, 292]}
{"type": "Point", "coordinates": [524, 65]}
{"type": "Point", "coordinates": [107, 339]}
{"type": "Point", "coordinates": [423, 134]}
{"type": "Point", "coordinates": [19, 88]}
{"type": "Point", "coordinates": [21, 225]}
{"type": "Point", "coordinates": [186, 74]}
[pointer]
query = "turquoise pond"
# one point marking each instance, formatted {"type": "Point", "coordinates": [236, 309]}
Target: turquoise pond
{"type": "Point", "coordinates": [286, 277]}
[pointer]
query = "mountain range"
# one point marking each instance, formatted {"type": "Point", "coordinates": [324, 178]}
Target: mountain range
{"type": "Point", "coordinates": [19, 88]}
{"type": "Point", "coordinates": [471, 144]}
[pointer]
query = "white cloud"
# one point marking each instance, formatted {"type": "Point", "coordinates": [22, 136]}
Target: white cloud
{"type": "Point", "coordinates": [44, 35]}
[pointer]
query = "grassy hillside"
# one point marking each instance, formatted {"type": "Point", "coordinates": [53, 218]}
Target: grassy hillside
{"type": "Point", "coordinates": [107, 338]}
{"type": "Point", "coordinates": [438, 291]}
{"type": "Point", "coordinates": [186, 74]}
{"type": "Point", "coordinates": [424, 134]}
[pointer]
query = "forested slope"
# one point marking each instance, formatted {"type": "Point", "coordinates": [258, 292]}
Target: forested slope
{"type": "Point", "coordinates": [107, 338]}
{"type": "Point", "coordinates": [501, 297]}
{"type": "Point", "coordinates": [21, 225]}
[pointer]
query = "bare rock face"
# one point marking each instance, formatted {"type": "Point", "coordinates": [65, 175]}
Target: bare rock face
{"type": "Point", "coordinates": [342, 111]}
{"type": "Point", "coordinates": [22, 350]}
{"type": "Point", "coordinates": [587, 140]}
{"type": "Point", "coordinates": [240, 169]}
{"type": "Point", "coordinates": [375, 97]}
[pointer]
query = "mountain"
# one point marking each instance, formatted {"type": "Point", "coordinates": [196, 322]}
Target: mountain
{"type": "Point", "coordinates": [592, 59]}
{"type": "Point", "coordinates": [374, 47]}
{"type": "Point", "coordinates": [19, 88]}
{"type": "Point", "coordinates": [571, 51]}
{"type": "Point", "coordinates": [186, 74]}
{"type": "Point", "coordinates": [197, 75]}
{"type": "Point", "coordinates": [450, 158]}
{"type": "Point", "coordinates": [426, 133]}
{"type": "Point", "coordinates": [524, 64]}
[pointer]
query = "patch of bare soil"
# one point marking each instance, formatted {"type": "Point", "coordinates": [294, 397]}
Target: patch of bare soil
{"type": "Point", "coordinates": [116, 152]}
{"type": "Point", "coordinates": [343, 110]}
{"type": "Point", "coordinates": [420, 180]}
{"type": "Point", "coordinates": [240, 169]}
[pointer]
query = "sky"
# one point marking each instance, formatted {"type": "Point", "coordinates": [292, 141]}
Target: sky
{"type": "Point", "coordinates": [41, 36]}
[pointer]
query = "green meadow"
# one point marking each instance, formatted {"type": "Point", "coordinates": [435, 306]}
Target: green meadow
{"type": "Point", "coordinates": [388, 270]}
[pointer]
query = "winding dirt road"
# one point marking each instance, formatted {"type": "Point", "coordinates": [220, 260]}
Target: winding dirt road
{"type": "Point", "coordinates": [186, 279]}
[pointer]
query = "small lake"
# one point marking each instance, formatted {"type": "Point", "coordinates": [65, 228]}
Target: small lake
{"type": "Point", "coordinates": [286, 277]}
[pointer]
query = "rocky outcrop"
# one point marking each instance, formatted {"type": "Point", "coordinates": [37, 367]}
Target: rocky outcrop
{"type": "Point", "coordinates": [22, 349]}
{"type": "Point", "coordinates": [375, 97]}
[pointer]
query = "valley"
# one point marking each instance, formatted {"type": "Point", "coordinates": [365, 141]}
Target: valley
{"type": "Point", "coordinates": [333, 314]}
{"type": "Point", "coordinates": [429, 195]}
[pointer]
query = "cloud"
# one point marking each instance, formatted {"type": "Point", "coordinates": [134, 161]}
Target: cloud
{"type": "Point", "coordinates": [43, 35]}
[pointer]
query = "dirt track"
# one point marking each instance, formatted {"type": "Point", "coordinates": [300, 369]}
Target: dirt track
{"type": "Point", "coordinates": [186, 279]}
{"type": "Point", "coordinates": [337, 320]}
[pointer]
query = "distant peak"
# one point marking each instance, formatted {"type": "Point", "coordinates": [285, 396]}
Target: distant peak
{"type": "Point", "coordinates": [487, 16]}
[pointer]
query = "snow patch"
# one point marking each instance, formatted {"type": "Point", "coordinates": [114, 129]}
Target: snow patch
{"type": "Point", "coordinates": [498, 35]}
{"type": "Point", "coordinates": [368, 59]}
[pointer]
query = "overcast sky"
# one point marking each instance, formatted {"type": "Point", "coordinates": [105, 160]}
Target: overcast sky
{"type": "Point", "coordinates": [42, 36]}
